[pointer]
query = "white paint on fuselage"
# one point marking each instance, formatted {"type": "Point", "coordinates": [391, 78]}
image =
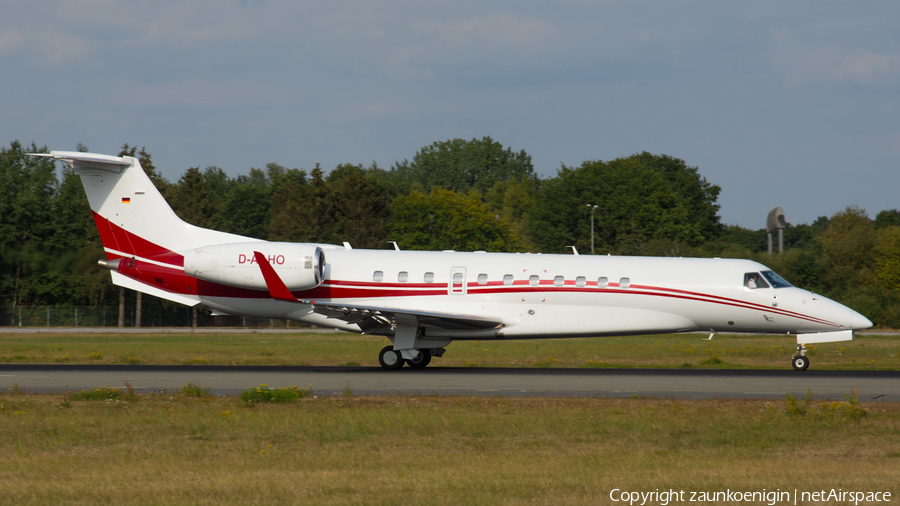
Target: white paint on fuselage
{"type": "Point", "coordinates": [665, 295]}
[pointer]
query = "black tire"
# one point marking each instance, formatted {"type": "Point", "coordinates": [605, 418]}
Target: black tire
{"type": "Point", "coordinates": [422, 361]}
{"type": "Point", "coordinates": [800, 363]}
{"type": "Point", "coordinates": [390, 359]}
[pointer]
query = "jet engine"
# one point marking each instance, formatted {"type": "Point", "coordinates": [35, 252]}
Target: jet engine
{"type": "Point", "coordinates": [300, 266]}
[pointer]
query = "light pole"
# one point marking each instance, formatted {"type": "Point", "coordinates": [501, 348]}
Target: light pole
{"type": "Point", "coordinates": [592, 207]}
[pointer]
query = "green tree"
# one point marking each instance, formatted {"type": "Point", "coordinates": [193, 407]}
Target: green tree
{"type": "Point", "coordinates": [515, 202]}
{"type": "Point", "coordinates": [887, 218]}
{"type": "Point", "coordinates": [887, 273]}
{"type": "Point", "coordinates": [804, 236]}
{"type": "Point", "coordinates": [290, 217]}
{"type": "Point", "coordinates": [887, 262]}
{"type": "Point", "coordinates": [28, 186]}
{"type": "Point", "coordinates": [692, 191]}
{"type": "Point", "coordinates": [247, 205]}
{"type": "Point", "coordinates": [318, 207]}
{"type": "Point", "coordinates": [197, 197]}
{"type": "Point", "coordinates": [444, 219]}
{"type": "Point", "coordinates": [461, 165]}
{"type": "Point", "coordinates": [847, 246]}
{"type": "Point", "coordinates": [360, 207]}
{"type": "Point", "coordinates": [752, 240]}
{"type": "Point", "coordinates": [639, 198]}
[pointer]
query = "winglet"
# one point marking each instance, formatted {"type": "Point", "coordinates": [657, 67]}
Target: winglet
{"type": "Point", "coordinates": [276, 286]}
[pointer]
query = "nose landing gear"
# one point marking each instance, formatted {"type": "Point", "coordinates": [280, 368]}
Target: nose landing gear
{"type": "Point", "coordinates": [799, 360]}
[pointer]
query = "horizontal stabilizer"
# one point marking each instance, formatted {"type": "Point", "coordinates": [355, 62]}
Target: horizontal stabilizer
{"type": "Point", "coordinates": [133, 284]}
{"type": "Point", "coordinates": [80, 161]}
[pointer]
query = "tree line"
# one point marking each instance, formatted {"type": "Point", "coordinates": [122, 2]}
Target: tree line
{"type": "Point", "coordinates": [455, 194]}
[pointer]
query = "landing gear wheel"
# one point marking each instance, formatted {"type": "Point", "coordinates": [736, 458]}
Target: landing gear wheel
{"type": "Point", "coordinates": [421, 361]}
{"type": "Point", "coordinates": [800, 363]}
{"type": "Point", "coordinates": [390, 359]}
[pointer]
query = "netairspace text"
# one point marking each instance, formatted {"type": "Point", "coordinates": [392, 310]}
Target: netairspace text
{"type": "Point", "coordinates": [769, 497]}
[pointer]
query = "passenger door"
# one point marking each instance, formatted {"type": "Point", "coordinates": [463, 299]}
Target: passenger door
{"type": "Point", "coordinates": [457, 283]}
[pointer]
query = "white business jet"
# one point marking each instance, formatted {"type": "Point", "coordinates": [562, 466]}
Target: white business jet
{"type": "Point", "coordinates": [423, 300]}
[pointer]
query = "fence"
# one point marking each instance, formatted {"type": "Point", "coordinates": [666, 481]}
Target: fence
{"type": "Point", "coordinates": [100, 316]}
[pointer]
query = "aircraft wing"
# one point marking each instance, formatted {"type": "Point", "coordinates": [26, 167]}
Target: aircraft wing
{"type": "Point", "coordinates": [372, 318]}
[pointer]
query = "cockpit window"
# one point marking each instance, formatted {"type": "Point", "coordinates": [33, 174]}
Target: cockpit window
{"type": "Point", "coordinates": [754, 280]}
{"type": "Point", "coordinates": [776, 280]}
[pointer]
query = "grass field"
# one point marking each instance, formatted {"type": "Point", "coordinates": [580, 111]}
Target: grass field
{"type": "Point", "coordinates": [684, 350]}
{"type": "Point", "coordinates": [112, 447]}
{"type": "Point", "coordinates": [183, 449]}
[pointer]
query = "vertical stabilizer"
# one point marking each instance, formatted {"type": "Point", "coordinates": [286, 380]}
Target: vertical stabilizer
{"type": "Point", "coordinates": [133, 218]}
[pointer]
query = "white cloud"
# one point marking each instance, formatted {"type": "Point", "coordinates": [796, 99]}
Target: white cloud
{"type": "Point", "coordinates": [829, 65]}
{"type": "Point", "coordinates": [493, 37]}
{"type": "Point", "coordinates": [203, 93]}
{"type": "Point", "coordinates": [57, 47]}
{"type": "Point", "coordinates": [885, 145]}
{"type": "Point", "coordinates": [9, 41]}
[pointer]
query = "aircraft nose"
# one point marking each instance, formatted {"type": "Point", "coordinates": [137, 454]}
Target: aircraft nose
{"type": "Point", "coordinates": [844, 316]}
{"type": "Point", "coordinates": [859, 322]}
{"type": "Point", "coordinates": [853, 320]}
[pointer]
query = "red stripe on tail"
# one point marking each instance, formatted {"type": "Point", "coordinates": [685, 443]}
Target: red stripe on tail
{"type": "Point", "coordinates": [117, 238]}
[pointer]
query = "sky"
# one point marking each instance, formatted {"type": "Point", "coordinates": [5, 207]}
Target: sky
{"type": "Point", "coordinates": [792, 104]}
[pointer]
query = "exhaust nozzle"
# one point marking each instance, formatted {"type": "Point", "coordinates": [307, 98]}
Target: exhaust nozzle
{"type": "Point", "coordinates": [112, 265]}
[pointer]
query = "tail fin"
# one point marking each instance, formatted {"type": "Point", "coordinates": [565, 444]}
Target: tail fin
{"type": "Point", "coordinates": [133, 218]}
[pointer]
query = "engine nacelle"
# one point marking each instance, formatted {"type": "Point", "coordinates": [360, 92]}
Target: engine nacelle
{"type": "Point", "coordinates": [300, 266]}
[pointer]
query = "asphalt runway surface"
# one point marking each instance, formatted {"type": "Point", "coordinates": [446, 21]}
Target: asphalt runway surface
{"type": "Point", "coordinates": [507, 382]}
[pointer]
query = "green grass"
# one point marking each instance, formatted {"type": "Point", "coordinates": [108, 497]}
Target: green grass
{"type": "Point", "coordinates": [684, 350]}
{"type": "Point", "coordinates": [185, 449]}
{"type": "Point", "coordinates": [106, 393]}
{"type": "Point", "coordinates": [276, 395]}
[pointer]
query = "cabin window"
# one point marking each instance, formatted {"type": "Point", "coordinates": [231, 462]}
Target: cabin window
{"type": "Point", "coordinates": [457, 278]}
{"type": "Point", "coordinates": [580, 281]}
{"type": "Point", "coordinates": [507, 279]}
{"type": "Point", "coordinates": [559, 281]}
{"type": "Point", "coordinates": [378, 276]}
{"type": "Point", "coordinates": [602, 282]}
{"type": "Point", "coordinates": [775, 280]}
{"type": "Point", "coordinates": [624, 283]}
{"type": "Point", "coordinates": [429, 277]}
{"type": "Point", "coordinates": [534, 280]}
{"type": "Point", "coordinates": [482, 279]}
{"type": "Point", "coordinates": [403, 277]}
{"type": "Point", "coordinates": [753, 280]}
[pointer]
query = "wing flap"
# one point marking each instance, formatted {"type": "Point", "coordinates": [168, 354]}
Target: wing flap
{"type": "Point", "coordinates": [384, 316]}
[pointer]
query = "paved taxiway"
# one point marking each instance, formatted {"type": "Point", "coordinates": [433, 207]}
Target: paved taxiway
{"type": "Point", "coordinates": [670, 383]}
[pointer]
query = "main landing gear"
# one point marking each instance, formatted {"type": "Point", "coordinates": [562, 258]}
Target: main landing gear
{"type": "Point", "coordinates": [800, 361]}
{"type": "Point", "coordinates": [391, 359]}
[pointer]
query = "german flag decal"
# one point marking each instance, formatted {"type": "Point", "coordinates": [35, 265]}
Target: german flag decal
{"type": "Point", "coordinates": [126, 200]}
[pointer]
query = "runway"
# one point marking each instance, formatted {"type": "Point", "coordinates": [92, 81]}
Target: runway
{"type": "Point", "coordinates": [508, 382]}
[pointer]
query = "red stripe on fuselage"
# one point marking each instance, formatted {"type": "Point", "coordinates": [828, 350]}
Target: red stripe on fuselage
{"type": "Point", "coordinates": [174, 280]}
{"type": "Point", "coordinates": [755, 305]}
